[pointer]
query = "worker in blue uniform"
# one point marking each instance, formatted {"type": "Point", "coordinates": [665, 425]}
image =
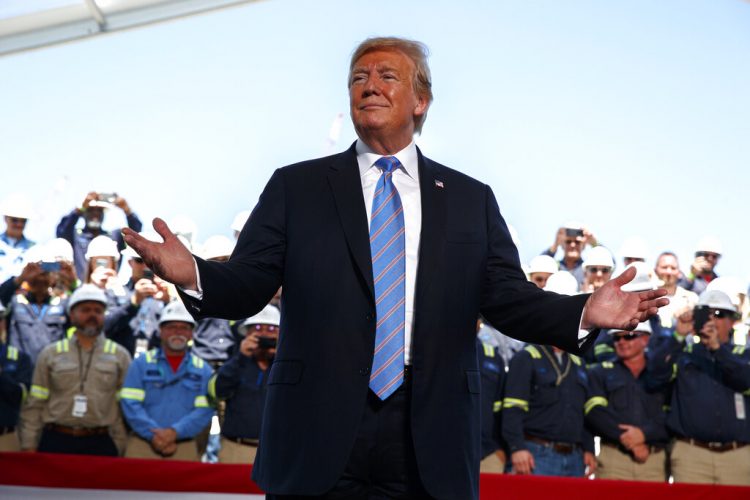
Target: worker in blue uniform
{"type": "Point", "coordinates": [164, 397]}
{"type": "Point", "coordinates": [710, 382]}
{"type": "Point", "coordinates": [626, 409]}
{"type": "Point", "coordinates": [543, 409]}
{"type": "Point", "coordinates": [15, 379]}
{"type": "Point", "coordinates": [241, 382]}
{"type": "Point", "coordinates": [492, 369]}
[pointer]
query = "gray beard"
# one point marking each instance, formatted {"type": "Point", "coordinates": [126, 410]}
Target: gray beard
{"type": "Point", "coordinates": [178, 347]}
{"type": "Point", "coordinates": [90, 331]}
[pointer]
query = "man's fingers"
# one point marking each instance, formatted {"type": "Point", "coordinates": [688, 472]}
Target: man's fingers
{"type": "Point", "coordinates": [162, 228]}
{"type": "Point", "coordinates": [626, 276]}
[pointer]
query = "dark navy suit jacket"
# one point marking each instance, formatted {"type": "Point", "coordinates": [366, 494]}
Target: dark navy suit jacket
{"type": "Point", "coordinates": [309, 232]}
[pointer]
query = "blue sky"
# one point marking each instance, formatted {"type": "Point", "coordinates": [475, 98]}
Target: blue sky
{"type": "Point", "coordinates": [629, 116]}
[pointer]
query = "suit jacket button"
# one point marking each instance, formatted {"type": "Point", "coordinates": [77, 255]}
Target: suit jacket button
{"type": "Point", "coordinates": [364, 371]}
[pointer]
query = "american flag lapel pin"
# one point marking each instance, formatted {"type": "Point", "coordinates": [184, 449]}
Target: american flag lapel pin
{"type": "Point", "coordinates": [439, 184]}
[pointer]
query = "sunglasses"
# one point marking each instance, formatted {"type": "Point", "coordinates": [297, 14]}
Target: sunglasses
{"type": "Point", "coordinates": [16, 220]}
{"type": "Point", "coordinates": [721, 314]}
{"type": "Point", "coordinates": [627, 337]}
{"type": "Point", "coordinates": [137, 260]}
{"type": "Point", "coordinates": [707, 255]}
{"type": "Point", "coordinates": [596, 270]}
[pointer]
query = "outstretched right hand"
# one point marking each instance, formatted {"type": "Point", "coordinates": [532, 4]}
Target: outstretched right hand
{"type": "Point", "coordinates": [171, 260]}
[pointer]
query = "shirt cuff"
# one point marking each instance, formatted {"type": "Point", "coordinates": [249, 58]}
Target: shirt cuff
{"type": "Point", "coordinates": [582, 332]}
{"type": "Point", "coordinates": [196, 294]}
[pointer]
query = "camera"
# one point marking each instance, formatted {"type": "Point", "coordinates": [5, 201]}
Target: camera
{"type": "Point", "coordinates": [107, 197]}
{"type": "Point", "coordinates": [148, 274]}
{"type": "Point", "coordinates": [50, 267]}
{"type": "Point", "coordinates": [700, 318]}
{"type": "Point", "coordinates": [101, 262]}
{"type": "Point", "coordinates": [573, 233]}
{"type": "Point", "coordinates": [266, 342]}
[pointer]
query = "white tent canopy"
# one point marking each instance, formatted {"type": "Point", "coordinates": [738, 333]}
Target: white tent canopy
{"type": "Point", "coordinates": [28, 24]}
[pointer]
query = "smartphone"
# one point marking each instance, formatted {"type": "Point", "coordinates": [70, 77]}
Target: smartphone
{"type": "Point", "coordinates": [107, 197]}
{"type": "Point", "coordinates": [700, 318]}
{"type": "Point", "coordinates": [266, 342]}
{"type": "Point", "coordinates": [573, 233]}
{"type": "Point", "coordinates": [101, 262]}
{"type": "Point", "coordinates": [50, 267]}
{"type": "Point", "coordinates": [148, 274]}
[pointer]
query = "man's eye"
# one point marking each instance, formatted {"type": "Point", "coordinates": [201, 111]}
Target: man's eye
{"type": "Point", "coordinates": [358, 78]}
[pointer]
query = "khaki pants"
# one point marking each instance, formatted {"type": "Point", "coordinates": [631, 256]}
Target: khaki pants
{"type": "Point", "coordinates": [236, 453]}
{"type": "Point", "coordinates": [693, 464]}
{"type": "Point", "coordinates": [614, 464]}
{"type": "Point", "coordinates": [491, 463]}
{"type": "Point", "coordinates": [140, 448]}
{"type": "Point", "coordinates": [9, 442]}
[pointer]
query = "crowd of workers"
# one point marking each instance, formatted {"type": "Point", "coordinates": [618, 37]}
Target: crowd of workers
{"type": "Point", "coordinates": [92, 365]}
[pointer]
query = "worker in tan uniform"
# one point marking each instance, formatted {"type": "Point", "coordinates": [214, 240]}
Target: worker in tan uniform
{"type": "Point", "coordinates": [72, 405]}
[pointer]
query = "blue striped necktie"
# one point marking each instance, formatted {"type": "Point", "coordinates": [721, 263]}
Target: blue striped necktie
{"type": "Point", "coordinates": [387, 248]}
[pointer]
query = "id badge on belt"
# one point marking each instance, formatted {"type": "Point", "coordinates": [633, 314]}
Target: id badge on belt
{"type": "Point", "coordinates": [80, 404]}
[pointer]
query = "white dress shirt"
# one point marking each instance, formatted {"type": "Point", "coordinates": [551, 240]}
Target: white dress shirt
{"type": "Point", "coordinates": [406, 180]}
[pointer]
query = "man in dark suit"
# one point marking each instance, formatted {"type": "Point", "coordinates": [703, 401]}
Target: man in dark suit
{"type": "Point", "coordinates": [342, 419]}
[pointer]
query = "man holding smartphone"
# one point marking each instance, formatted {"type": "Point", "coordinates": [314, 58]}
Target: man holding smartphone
{"type": "Point", "coordinates": [572, 237]}
{"type": "Point", "coordinates": [710, 386]}
{"type": "Point", "coordinates": [241, 381]}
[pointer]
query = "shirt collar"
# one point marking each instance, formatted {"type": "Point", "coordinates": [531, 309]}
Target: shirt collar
{"type": "Point", "coordinates": [366, 158]}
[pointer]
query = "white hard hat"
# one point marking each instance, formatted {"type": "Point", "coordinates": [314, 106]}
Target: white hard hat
{"type": "Point", "coordinates": [562, 282]}
{"type": "Point", "coordinates": [129, 253]}
{"type": "Point", "coordinates": [635, 248]}
{"type": "Point", "coordinates": [729, 285]}
{"type": "Point", "coordinates": [543, 264]}
{"type": "Point", "coordinates": [644, 279]}
{"type": "Point", "coordinates": [599, 256]}
{"type": "Point", "coordinates": [239, 220]}
{"type": "Point", "coordinates": [183, 225]}
{"type": "Point", "coordinates": [175, 311]}
{"type": "Point", "coordinates": [85, 293]}
{"type": "Point", "coordinates": [709, 244]}
{"type": "Point", "coordinates": [59, 249]}
{"type": "Point", "coordinates": [270, 315]}
{"type": "Point", "coordinates": [716, 299]}
{"type": "Point", "coordinates": [642, 327]}
{"type": "Point", "coordinates": [18, 206]}
{"type": "Point", "coordinates": [102, 246]}
{"type": "Point", "coordinates": [217, 246]}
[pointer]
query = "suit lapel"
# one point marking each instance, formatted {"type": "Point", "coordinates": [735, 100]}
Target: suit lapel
{"type": "Point", "coordinates": [346, 185]}
{"type": "Point", "coordinates": [432, 238]}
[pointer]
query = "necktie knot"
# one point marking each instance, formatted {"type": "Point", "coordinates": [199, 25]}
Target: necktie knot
{"type": "Point", "coordinates": [387, 164]}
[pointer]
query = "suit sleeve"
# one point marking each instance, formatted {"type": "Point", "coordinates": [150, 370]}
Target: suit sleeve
{"type": "Point", "coordinates": [515, 306]}
{"type": "Point", "coordinates": [242, 286]}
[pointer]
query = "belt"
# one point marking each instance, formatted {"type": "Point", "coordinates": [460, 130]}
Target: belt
{"type": "Point", "coordinates": [6, 430]}
{"type": "Point", "coordinates": [652, 448]}
{"type": "Point", "coordinates": [713, 446]}
{"type": "Point", "coordinates": [559, 447]}
{"type": "Point", "coordinates": [244, 441]}
{"type": "Point", "coordinates": [77, 431]}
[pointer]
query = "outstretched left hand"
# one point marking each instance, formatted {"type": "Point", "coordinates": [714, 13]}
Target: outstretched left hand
{"type": "Point", "coordinates": [610, 307]}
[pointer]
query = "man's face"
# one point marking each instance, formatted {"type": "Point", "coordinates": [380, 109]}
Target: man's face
{"type": "Point", "coordinates": [265, 332]}
{"type": "Point", "coordinates": [668, 269]}
{"type": "Point", "coordinates": [629, 345]}
{"type": "Point", "coordinates": [723, 321]}
{"type": "Point", "coordinates": [381, 95]}
{"type": "Point", "coordinates": [14, 226]}
{"type": "Point", "coordinates": [94, 217]}
{"type": "Point", "coordinates": [175, 335]}
{"type": "Point", "coordinates": [539, 279]}
{"type": "Point", "coordinates": [711, 259]}
{"type": "Point", "coordinates": [597, 276]}
{"type": "Point", "coordinates": [88, 317]}
{"type": "Point", "coordinates": [137, 267]}
{"type": "Point", "coordinates": [573, 246]}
